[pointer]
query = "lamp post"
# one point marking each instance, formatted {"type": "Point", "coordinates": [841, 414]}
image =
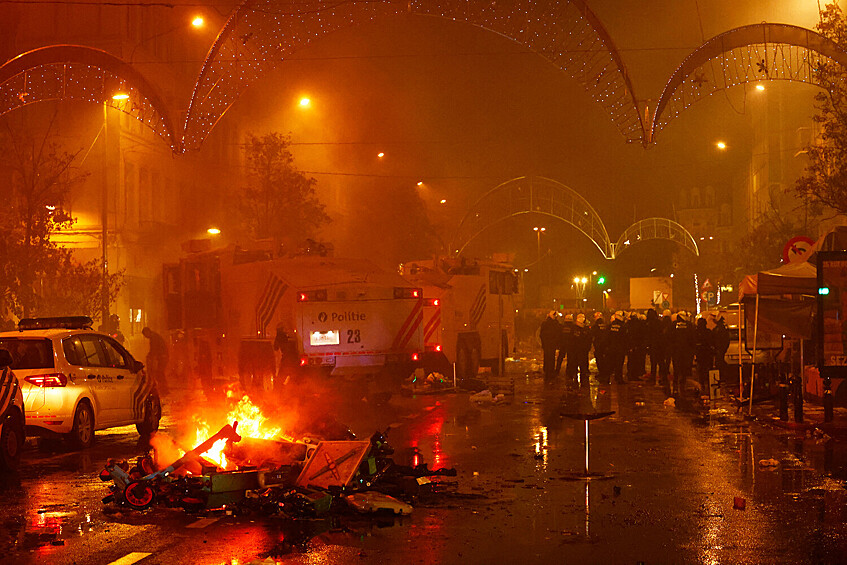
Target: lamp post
{"type": "Point", "coordinates": [579, 284]}
{"type": "Point", "coordinates": [538, 231]}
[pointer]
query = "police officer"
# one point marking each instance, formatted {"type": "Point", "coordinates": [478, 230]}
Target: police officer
{"type": "Point", "coordinates": [567, 339]}
{"type": "Point", "coordinates": [703, 353]}
{"type": "Point", "coordinates": [550, 334]}
{"type": "Point", "coordinates": [683, 351]}
{"type": "Point", "coordinates": [666, 327]}
{"type": "Point", "coordinates": [599, 329]}
{"type": "Point", "coordinates": [637, 347]}
{"type": "Point", "coordinates": [720, 339]}
{"type": "Point", "coordinates": [616, 346]}
{"type": "Point", "coordinates": [654, 344]}
{"type": "Point", "coordinates": [580, 347]}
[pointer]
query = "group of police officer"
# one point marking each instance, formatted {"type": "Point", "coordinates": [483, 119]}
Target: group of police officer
{"type": "Point", "coordinates": [627, 339]}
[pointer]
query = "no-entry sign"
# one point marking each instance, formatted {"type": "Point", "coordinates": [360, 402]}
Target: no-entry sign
{"type": "Point", "coordinates": [796, 248]}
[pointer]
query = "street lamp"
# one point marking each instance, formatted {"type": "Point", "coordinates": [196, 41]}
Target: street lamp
{"type": "Point", "coordinates": [579, 284]}
{"type": "Point", "coordinates": [721, 145]}
{"type": "Point", "coordinates": [305, 102]}
{"type": "Point", "coordinates": [538, 231]}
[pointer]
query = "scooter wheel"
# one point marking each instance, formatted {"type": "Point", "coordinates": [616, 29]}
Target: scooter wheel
{"type": "Point", "coordinates": [139, 495]}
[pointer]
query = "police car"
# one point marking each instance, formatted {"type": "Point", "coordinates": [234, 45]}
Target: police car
{"type": "Point", "coordinates": [75, 380]}
{"type": "Point", "coordinates": [11, 415]}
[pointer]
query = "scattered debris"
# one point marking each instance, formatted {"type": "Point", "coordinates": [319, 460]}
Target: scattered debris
{"type": "Point", "coordinates": [669, 402]}
{"type": "Point", "coordinates": [486, 397]}
{"type": "Point", "coordinates": [739, 503]}
{"type": "Point", "coordinates": [296, 479]}
{"type": "Point", "coordinates": [434, 382]}
{"type": "Point", "coordinates": [769, 463]}
{"type": "Point", "coordinates": [376, 501]}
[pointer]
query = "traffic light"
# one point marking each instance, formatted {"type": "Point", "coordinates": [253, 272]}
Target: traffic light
{"type": "Point", "coordinates": [601, 280]}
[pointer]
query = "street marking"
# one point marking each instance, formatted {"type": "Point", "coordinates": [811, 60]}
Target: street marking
{"type": "Point", "coordinates": [131, 558]}
{"type": "Point", "coordinates": [203, 522]}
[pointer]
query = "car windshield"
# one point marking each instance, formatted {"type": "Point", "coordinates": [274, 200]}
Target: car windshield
{"type": "Point", "coordinates": [29, 353]}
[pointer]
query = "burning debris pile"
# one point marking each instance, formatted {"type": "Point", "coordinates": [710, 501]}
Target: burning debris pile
{"type": "Point", "coordinates": [252, 466]}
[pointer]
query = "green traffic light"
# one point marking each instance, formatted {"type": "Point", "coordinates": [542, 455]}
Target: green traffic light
{"type": "Point", "coordinates": [823, 291]}
{"type": "Point", "coordinates": [601, 280]}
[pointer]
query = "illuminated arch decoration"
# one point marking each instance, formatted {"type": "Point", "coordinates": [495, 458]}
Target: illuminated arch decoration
{"type": "Point", "coordinates": [655, 228]}
{"type": "Point", "coordinates": [261, 33]}
{"type": "Point", "coordinates": [539, 195]}
{"type": "Point", "coordinates": [745, 54]}
{"type": "Point", "coordinates": [532, 195]}
{"type": "Point", "coordinates": [75, 72]}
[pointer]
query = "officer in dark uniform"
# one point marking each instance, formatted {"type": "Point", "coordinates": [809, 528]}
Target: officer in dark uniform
{"type": "Point", "coordinates": [720, 339]}
{"type": "Point", "coordinates": [599, 329]}
{"type": "Point", "coordinates": [654, 344]}
{"type": "Point", "coordinates": [704, 353]}
{"type": "Point", "coordinates": [616, 346]}
{"type": "Point", "coordinates": [580, 348]}
{"type": "Point", "coordinates": [666, 327]}
{"type": "Point", "coordinates": [550, 334]}
{"type": "Point", "coordinates": [683, 351]}
{"type": "Point", "coordinates": [567, 339]}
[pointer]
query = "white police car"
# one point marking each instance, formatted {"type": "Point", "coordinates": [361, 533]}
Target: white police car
{"type": "Point", "coordinates": [11, 416]}
{"type": "Point", "coordinates": [75, 381]}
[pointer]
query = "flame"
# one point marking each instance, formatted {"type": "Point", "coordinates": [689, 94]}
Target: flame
{"type": "Point", "coordinates": [251, 423]}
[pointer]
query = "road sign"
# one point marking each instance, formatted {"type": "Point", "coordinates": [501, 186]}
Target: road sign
{"type": "Point", "coordinates": [796, 248]}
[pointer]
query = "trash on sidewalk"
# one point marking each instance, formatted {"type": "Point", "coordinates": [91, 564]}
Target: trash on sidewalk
{"type": "Point", "coordinates": [739, 503]}
{"type": "Point", "coordinates": [769, 463]}
{"type": "Point", "coordinates": [669, 402]}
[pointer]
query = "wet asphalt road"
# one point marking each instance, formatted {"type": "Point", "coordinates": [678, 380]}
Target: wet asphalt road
{"type": "Point", "coordinates": [667, 482]}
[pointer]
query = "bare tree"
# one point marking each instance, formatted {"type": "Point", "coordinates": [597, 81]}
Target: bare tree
{"type": "Point", "coordinates": [279, 201]}
{"type": "Point", "coordinates": [824, 182]}
{"type": "Point", "coordinates": [37, 277]}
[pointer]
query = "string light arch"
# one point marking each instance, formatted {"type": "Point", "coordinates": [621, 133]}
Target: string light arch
{"type": "Point", "coordinates": [259, 34]}
{"type": "Point", "coordinates": [76, 72]}
{"type": "Point", "coordinates": [655, 228]}
{"type": "Point", "coordinates": [547, 197]}
{"type": "Point", "coordinates": [532, 195]}
{"type": "Point", "coordinates": [753, 53]}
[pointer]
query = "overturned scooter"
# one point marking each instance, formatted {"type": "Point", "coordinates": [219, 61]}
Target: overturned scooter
{"type": "Point", "coordinates": [139, 493]}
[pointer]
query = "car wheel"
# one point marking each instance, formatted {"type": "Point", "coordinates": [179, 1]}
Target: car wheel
{"type": "Point", "coordinates": [152, 415]}
{"type": "Point", "coordinates": [82, 433]}
{"type": "Point", "coordinates": [11, 442]}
